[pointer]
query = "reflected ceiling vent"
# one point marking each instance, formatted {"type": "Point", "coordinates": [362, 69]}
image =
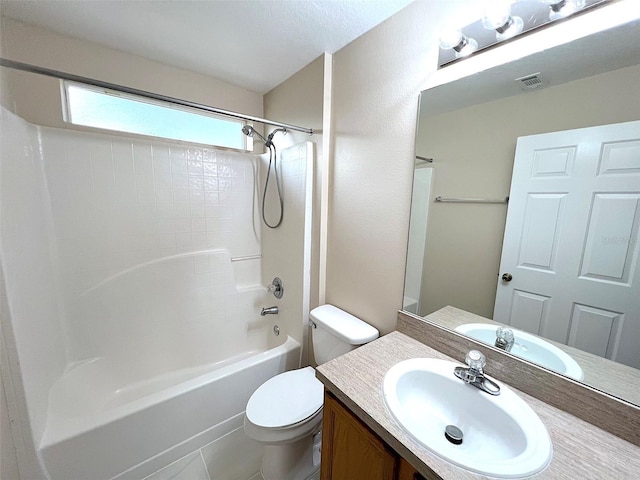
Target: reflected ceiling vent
{"type": "Point", "coordinates": [531, 82]}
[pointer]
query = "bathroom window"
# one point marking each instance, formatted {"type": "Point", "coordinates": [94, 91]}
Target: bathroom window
{"type": "Point", "coordinates": [101, 108]}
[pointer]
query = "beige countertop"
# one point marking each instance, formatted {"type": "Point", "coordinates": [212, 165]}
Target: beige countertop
{"type": "Point", "coordinates": [581, 451]}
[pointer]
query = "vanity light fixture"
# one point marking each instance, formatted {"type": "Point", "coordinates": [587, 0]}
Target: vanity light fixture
{"type": "Point", "coordinates": [504, 20]}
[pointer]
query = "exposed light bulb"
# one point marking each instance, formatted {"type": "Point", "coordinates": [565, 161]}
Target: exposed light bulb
{"type": "Point", "coordinates": [498, 17]}
{"type": "Point", "coordinates": [459, 42]}
{"type": "Point", "coordinates": [470, 46]}
{"type": "Point", "coordinates": [563, 8]}
{"type": "Point", "coordinates": [450, 39]}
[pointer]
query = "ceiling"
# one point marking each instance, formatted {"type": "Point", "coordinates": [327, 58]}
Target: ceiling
{"type": "Point", "coordinates": [255, 44]}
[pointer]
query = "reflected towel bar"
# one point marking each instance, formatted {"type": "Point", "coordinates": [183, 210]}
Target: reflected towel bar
{"type": "Point", "coordinates": [472, 200]}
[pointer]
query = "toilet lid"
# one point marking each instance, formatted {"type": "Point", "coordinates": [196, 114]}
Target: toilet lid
{"type": "Point", "coordinates": [286, 399]}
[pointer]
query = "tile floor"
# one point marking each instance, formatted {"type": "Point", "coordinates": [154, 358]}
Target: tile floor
{"type": "Point", "coordinates": [231, 457]}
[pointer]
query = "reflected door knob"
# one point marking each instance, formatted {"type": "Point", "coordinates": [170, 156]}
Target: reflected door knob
{"type": "Point", "coordinates": [507, 277]}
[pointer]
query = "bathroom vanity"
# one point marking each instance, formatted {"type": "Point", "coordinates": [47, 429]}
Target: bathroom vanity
{"type": "Point", "coordinates": [362, 440]}
{"type": "Point", "coordinates": [352, 450]}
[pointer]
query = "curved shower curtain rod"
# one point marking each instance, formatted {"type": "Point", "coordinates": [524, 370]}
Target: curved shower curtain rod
{"type": "Point", "coordinates": [134, 91]}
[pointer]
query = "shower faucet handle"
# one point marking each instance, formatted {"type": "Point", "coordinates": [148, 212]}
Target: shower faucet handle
{"type": "Point", "coordinates": [276, 287]}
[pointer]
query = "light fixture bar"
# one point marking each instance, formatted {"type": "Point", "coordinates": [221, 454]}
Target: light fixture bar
{"type": "Point", "coordinates": [521, 17]}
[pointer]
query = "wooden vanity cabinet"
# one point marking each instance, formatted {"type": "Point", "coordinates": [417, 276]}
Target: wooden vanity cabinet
{"type": "Point", "coordinates": [351, 451]}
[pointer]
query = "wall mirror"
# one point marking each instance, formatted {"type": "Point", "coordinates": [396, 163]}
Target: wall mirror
{"type": "Point", "coordinates": [470, 128]}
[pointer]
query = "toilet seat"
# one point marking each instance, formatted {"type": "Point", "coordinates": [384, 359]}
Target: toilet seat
{"type": "Point", "coordinates": [285, 408]}
{"type": "Point", "coordinates": [286, 399]}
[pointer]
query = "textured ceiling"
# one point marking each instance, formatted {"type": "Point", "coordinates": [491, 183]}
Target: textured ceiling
{"type": "Point", "coordinates": [255, 44]}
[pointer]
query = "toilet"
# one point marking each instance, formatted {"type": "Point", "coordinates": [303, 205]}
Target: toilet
{"type": "Point", "coordinates": [285, 412]}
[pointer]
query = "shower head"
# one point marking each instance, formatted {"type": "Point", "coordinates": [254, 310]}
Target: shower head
{"type": "Point", "coordinates": [249, 131]}
{"type": "Point", "coordinates": [270, 137]}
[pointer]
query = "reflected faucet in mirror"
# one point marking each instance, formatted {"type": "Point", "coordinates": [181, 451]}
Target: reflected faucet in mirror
{"type": "Point", "coordinates": [504, 338]}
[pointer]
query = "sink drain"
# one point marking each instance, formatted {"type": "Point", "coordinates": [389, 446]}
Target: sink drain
{"type": "Point", "coordinates": [453, 434]}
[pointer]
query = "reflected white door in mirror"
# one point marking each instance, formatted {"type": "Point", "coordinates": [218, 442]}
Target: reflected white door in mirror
{"type": "Point", "coordinates": [569, 266]}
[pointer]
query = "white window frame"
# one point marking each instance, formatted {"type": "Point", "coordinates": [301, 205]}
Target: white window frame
{"type": "Point", "coordinates": [67, 116]}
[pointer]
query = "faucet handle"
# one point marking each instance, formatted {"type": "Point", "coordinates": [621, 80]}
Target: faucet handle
{"type": "Point", "coordinates": [475, 360]}
{"type": "Point", "coordinates": [276, 287]}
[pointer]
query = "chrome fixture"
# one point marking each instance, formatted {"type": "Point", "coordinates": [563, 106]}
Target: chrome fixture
{"type": "Point", "coordinates": [453, 434]}
{"type": "Point", "coordinates": [276, 330]}
{"type": "Point", "coordinates": [276, 287]}
{"type": "Point", "coordinates": [471, 200]}
{"type": "Point", "coordinates": [504, 20]}
{"type": "Point", "coordinates": [474, 375]}
{"type": "Point", "coordinates": [269, 311]}
{"type": "Point", "coordinates": [504, 338]}
{"type": "Point", "coordinates": [249, 131]}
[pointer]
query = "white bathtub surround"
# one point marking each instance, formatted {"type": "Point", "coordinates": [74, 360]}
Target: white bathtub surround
{"type": "Point", "coordinates": [289, 246]}
{"type": "Point", "coordinates": [31, 329]}
{"type": "Point", "coordinates": [143, 261]}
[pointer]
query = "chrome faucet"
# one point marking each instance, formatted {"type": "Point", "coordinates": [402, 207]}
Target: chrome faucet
{"type": "Point", "coordinates": [474, 375]}
{"type": "Point", "coordinates": [504, 338]}
{"type": "Point", "coordinates": [269, 311]}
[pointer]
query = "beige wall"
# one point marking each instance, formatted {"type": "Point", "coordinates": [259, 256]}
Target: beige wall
{"type": "Point", "coordinates": [37, 99]}
{"type": "Point", "coordinates": [464, 242]}
{"type": "Point", "coordinates": [377, 79]}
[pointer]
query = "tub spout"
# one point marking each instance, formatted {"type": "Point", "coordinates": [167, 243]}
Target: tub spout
{"type": "Point", "coordinates": [269, 311]}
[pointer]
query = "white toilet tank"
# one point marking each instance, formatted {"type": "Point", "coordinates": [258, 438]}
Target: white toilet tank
{"type": "Point", "coordinates": [337, 332]}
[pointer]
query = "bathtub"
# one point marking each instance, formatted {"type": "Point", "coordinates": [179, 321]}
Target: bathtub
{"type": "Point", "coordinates": [99, 428]}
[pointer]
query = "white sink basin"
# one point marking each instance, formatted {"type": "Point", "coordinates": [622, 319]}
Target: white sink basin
{"type": "Point", "coordinates": [502, 435]}
{"type": "Point", "coordinates": [528, 346]}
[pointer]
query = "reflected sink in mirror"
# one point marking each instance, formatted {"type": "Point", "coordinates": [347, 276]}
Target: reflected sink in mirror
{"type": "Point", "coordinates": [502, 436]}
{"type": "Point", "coordinates": [527, 346]}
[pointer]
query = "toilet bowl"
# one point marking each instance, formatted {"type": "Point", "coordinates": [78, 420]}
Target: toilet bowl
{"type": "Point", "coordinates": [285, 412]}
